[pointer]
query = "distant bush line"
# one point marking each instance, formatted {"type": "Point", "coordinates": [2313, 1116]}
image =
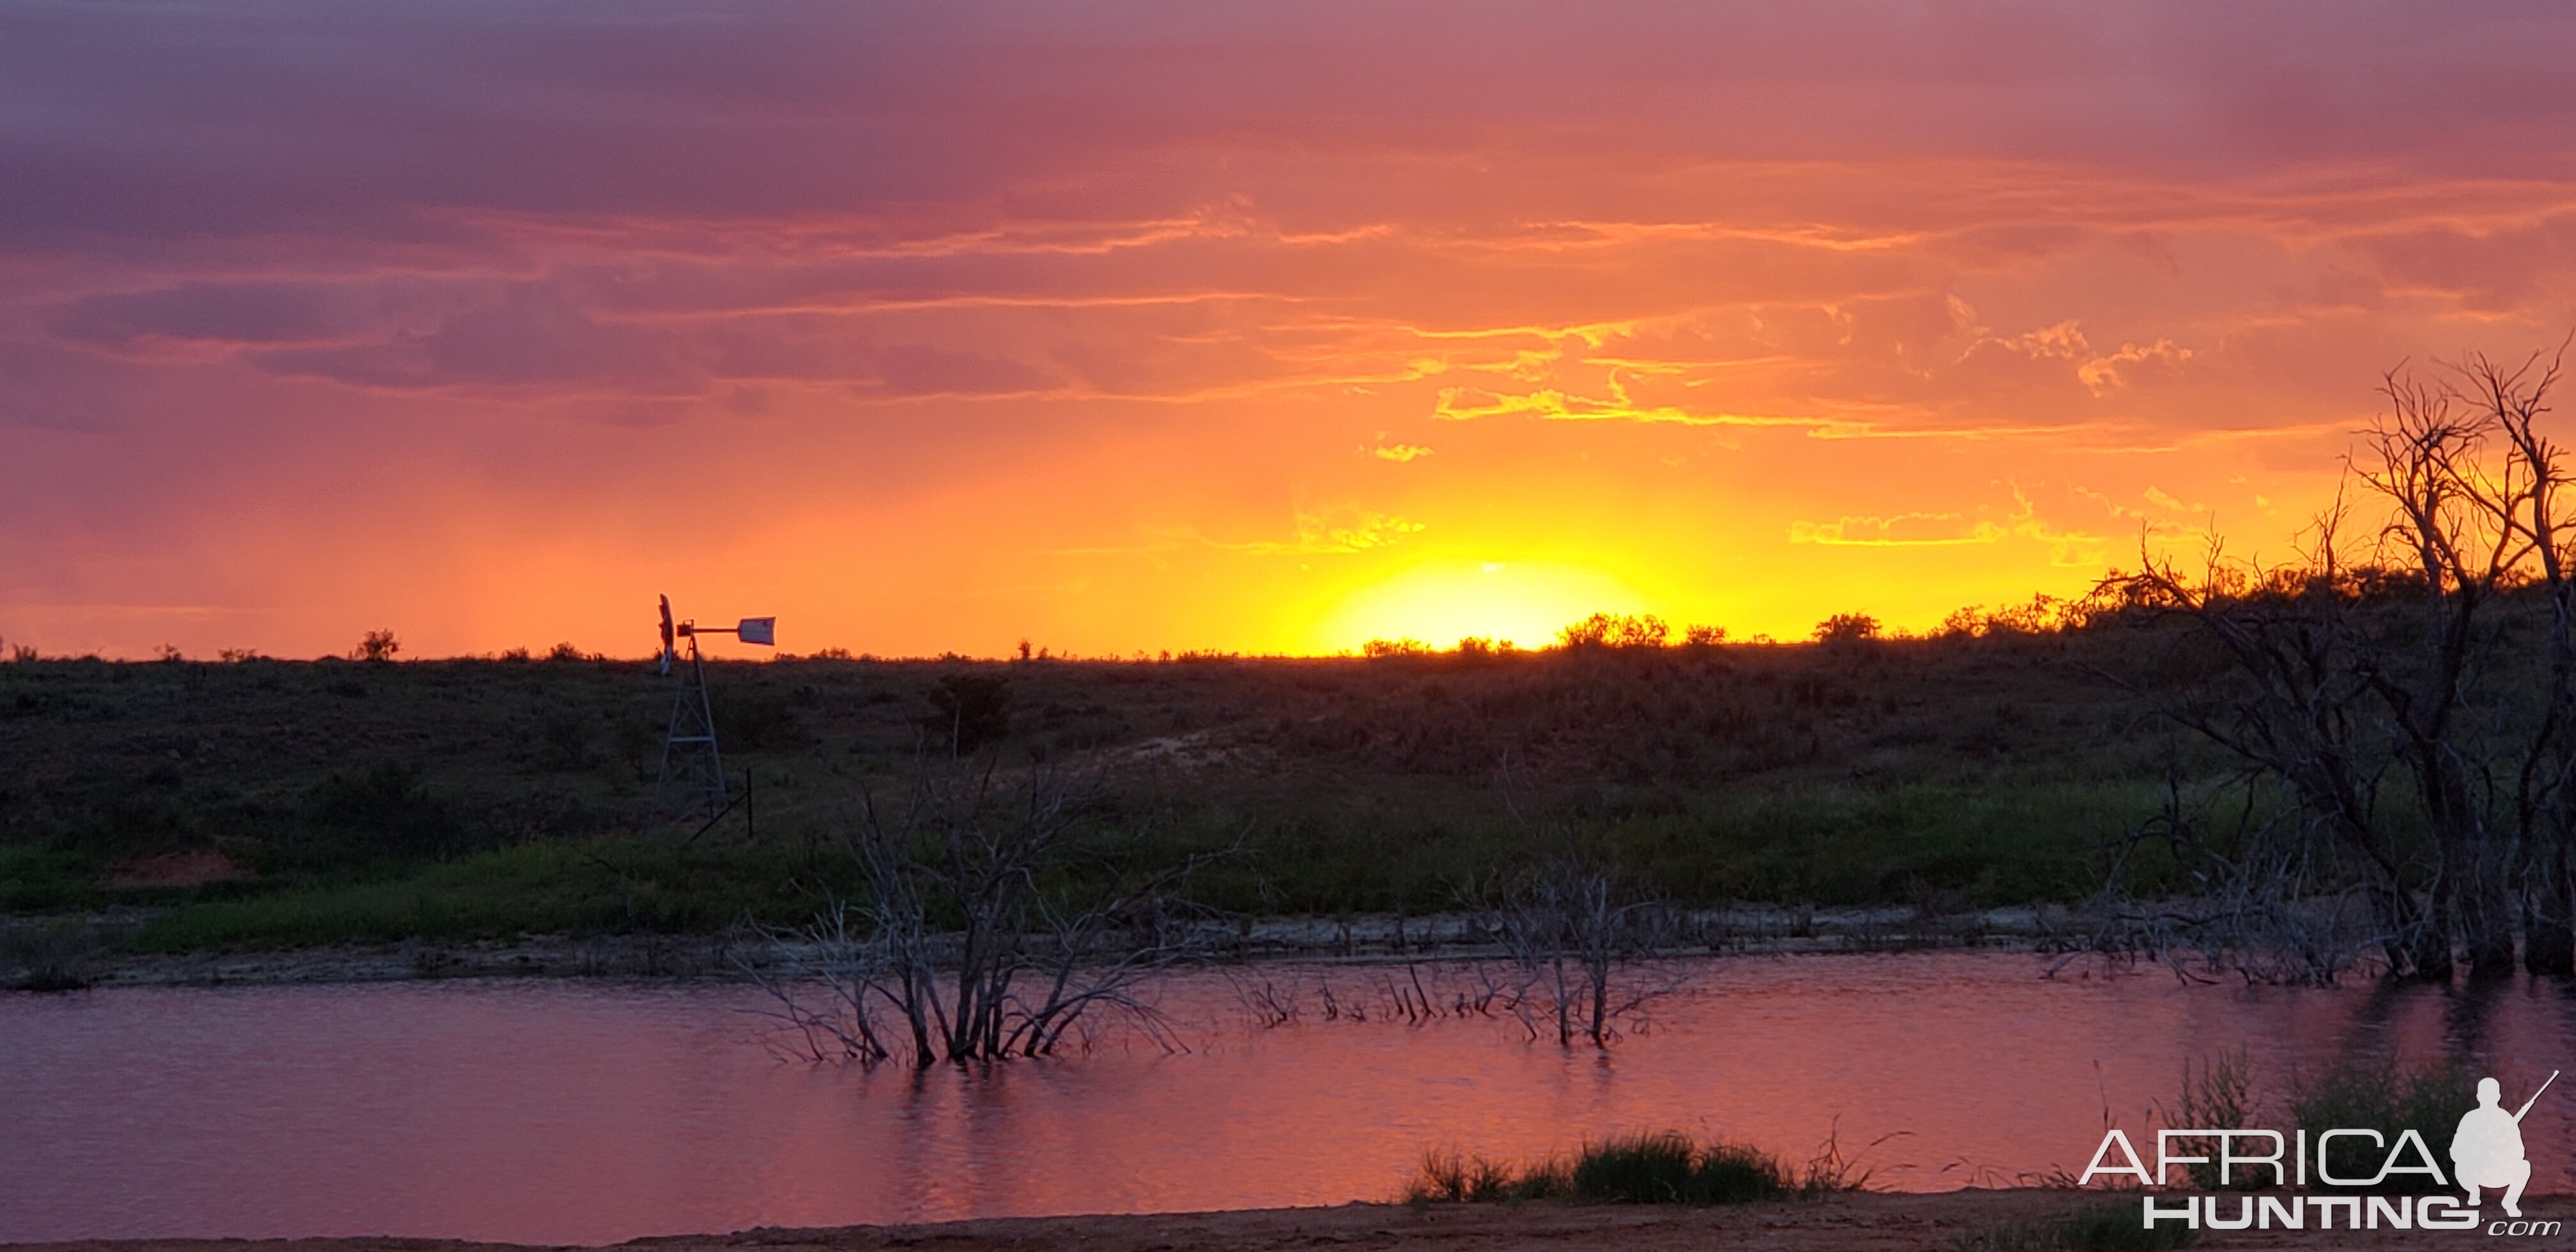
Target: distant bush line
{"type": "Point", "coordinates": [262, 802]}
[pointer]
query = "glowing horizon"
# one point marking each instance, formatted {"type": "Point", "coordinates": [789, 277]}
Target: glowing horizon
{"type": "Point", "coordinates": [1145, 327]}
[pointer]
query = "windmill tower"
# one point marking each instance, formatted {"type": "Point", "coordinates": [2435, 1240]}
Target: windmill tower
{"type": "Point", "coordinates": [693, 777]}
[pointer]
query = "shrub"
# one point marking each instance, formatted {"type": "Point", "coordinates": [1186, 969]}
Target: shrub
{"type": "Point", "coordinates": [2218, 1097]}
{"type": "Point", "coordinates": [563, 738]}
{"type": "Point", "coordinates": [968, 711]}
{"type": "Point", "coordinates": [2389, 1098]}
{"type": "Point", "coordinates": [389, 811]}
{"type": "Point", "coordinates": [1658, 1167]}
{"type": "Point", "coordinates": [1847, 628]}
{"type": "Point", "coordinates": [1615, 630]}
{"type": "Point", "coordinates": [48, 956]}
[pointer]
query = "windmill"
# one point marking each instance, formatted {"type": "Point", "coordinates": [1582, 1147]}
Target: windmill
{"type": "Point", "coordinates": [692, 770]}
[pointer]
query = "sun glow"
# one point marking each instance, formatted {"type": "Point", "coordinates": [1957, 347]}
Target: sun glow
{"type": "Point", "coordinates": [1123, 361]}
{"type": "Point", "coordinates": [1498, 600]}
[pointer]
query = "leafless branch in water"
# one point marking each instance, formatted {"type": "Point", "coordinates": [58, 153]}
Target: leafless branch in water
{"type": "Point", "coordinates": [965, 946]}
{"type": "Point", "coordinates": [1582, 952]}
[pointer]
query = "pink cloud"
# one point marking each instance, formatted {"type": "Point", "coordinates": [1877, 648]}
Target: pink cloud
{"type": "Point", "coordinates": [273, 275]}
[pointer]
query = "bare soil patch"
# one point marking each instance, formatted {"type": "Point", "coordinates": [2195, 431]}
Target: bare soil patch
{"type": "Point", "coordinates": [1852, 1223]}
{"type": "Point", "coordinates": [193, 868]}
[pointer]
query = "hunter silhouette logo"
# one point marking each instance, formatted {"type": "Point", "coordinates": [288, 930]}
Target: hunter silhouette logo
{"type": "Point", "coordinates": [2486, 1151]}
{"type": "Point", "coordinates": [2486, 1155]}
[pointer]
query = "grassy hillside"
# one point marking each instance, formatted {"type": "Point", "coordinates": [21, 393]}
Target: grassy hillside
{"type": "Point", "coordinates": [264, 802]}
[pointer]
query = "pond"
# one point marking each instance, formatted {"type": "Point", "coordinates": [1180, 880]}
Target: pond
{"type": "Point", "coordinates": [554, 1112]}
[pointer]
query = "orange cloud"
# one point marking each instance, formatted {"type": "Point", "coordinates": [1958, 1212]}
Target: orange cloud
{"type": "Point", "coordinates": [930, 331]}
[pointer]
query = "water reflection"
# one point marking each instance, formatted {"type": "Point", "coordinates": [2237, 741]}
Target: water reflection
{"type": "Point", "coordinates": [589, 1113]}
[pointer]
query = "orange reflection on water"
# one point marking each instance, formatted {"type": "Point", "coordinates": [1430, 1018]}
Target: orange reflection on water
{"type": "Point", "coordinates": [583, 1113]}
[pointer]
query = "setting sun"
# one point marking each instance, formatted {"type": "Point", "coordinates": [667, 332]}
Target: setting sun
{"type": "Point", "coordinates": [1524, 604]}
{"type": "Point", "coordinates": [1122, 360]}
{"type": "Point", "coordinates": [1641, 625]}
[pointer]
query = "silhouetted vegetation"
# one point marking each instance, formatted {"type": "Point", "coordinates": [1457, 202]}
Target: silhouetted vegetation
{"type": "Point", "coordinates": [2400, 704]}
{"type": "Point", "coordinates": [258, 801]}
{"type": "Point", "coordinates": [375, 645]}
{"type": "Point", "coordinates": [2369, 756]}
{"type": "Point", "coordinates": [2383, 1094]}
{"type": "Point", "coordinates": [1847, 628]}
{"type": "Point", "coordinates": [1605, 630]}
{"type": "Point", "coordinates": [970, 941]}
{"type": "Point", "coordinates": [1662, 1167]}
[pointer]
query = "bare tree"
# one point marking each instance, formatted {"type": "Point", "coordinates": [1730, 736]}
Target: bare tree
{"type": "Point", "coordinates": [970, 944]}
{"type": "Point", "coordinates": [1583, 949]}
{"type": "Point", "coordinates": [2524, 504]}
{"type": "Point", "coordinates": [2385, 694]}
{"type": "Point", "coordinates": [2423, 459]}
{"type": "Point", "coordinates": [2268, 900]}
{"type": "Point", "coordinates": [2289, 698]}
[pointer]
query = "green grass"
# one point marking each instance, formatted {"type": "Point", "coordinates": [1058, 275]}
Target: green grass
{"type": "Point", "coordinates": [1827, 843]}
{"type": "Point", "coordinates": [42, 879]}
{"type": "Point", "coordinates": [590, 887]}
{"type": "Point", "coordinates": [479, 799]}
{"type": "Point", "coordinates": [1831, 846]}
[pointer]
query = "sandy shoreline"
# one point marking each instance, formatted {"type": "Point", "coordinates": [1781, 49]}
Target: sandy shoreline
{"type": "Point", "coordinates": [1743, 929]}
{"type": "Point", "coordinates": [1857, 1223]}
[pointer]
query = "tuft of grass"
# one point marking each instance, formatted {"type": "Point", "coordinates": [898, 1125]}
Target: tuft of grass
{"type": "Point", "coordinates": [1668, 1168]}
{"type": "Point", "coordinates": [2391, 1098]}
{"type": "Point", "coordinates": [1447, 1174]}
{"type": "Point", "coordinates": [2094, 1228]}
{"type": "Point", "coordinates": [2218, 1096]}
{"type": "Point", "coordinates": [1655, 1167]}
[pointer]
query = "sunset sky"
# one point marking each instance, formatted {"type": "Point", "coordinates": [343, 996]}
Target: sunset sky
{"type": "Point", "coordinates": [1141, 326]}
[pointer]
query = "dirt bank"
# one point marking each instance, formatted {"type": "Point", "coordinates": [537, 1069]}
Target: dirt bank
{"type": "Point", "coordinates": [1860, 1223]}
{"type": "Point", "coordinates": [81, 949]}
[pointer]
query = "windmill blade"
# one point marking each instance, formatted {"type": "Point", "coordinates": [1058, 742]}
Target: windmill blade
{"type": "Point", "coordinates": [669, 643]}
